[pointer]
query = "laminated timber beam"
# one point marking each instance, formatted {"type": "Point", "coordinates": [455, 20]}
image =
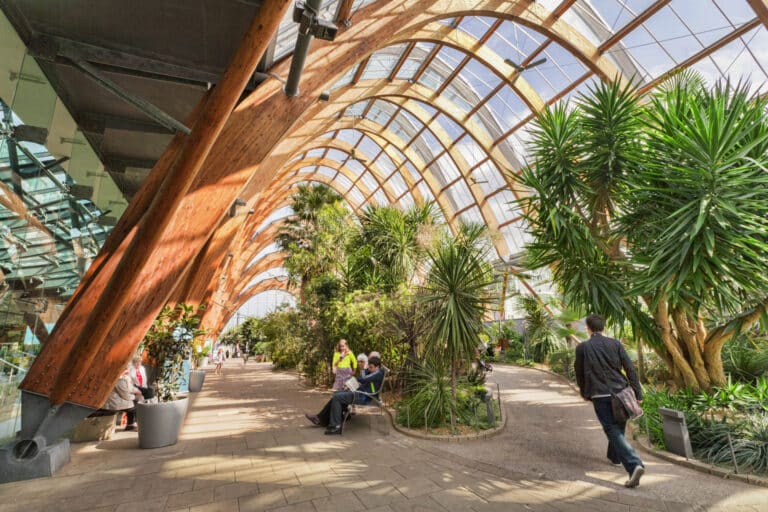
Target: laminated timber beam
{"type": "Point", "coordinates": [478, 197]}
{"type": "Point", "coordinates": [72, 319]}
{"type": "Point", "coordinates": [271, 283]}
{"type": "Point", "coordinates": [761, 10]}
{"type": "Point", "coordinates": [245, 282]}
{"type": "Point", "coordinates": [135, 276]}
{"type": "Point", "coordinates": [200, 282]}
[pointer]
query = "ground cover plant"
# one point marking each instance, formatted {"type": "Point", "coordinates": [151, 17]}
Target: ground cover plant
{"type": "Point", "coordinates": [736, 409]}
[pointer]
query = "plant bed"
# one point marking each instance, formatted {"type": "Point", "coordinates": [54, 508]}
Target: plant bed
{"type": "Point", "coordinates": [735, 410]}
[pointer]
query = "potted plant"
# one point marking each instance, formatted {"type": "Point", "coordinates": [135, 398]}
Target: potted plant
{"type": "Point", "coordinates": [168, 344]}
{"type": "Point", "coordinates": [197, 375]}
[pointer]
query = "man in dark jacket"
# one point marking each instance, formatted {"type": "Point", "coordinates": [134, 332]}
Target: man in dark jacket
{"type": "Point", "coordinates": [599, 362]}
{"type": "Point", "coordinates": [331, 415]}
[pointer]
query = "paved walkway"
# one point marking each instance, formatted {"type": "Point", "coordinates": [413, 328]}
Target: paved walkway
{"type": "Point", "coordinates": [246, 447]}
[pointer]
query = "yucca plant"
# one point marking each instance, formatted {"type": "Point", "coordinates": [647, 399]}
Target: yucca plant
{"type": "Point", "coordinates": [652, 210]}
{"type": "Point", "coordinates": [429, 403]}
{"type": "Point", "coordinates": [456, 296]}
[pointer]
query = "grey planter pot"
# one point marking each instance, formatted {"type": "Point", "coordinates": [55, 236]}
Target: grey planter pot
{"type": "Point", "coordinates": [196, 379]}
{"type": "Point", "coordinates": [160, 423]}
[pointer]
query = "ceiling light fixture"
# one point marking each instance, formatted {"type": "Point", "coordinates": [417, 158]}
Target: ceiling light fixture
{"type": "Point", "coordinates": [520, 68]}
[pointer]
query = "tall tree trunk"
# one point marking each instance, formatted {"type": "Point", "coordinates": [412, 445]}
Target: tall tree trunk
{"type": "Point", "coordinates": [640, 361]}
{"type": "Point", "coordinates": [684, 375]}
{"type": "Point", "coordinates": [687, 332]}
{"type": "Point", "coordinates": [454, 380]}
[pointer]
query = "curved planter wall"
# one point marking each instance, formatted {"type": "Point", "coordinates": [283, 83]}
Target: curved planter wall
{"type": "Point", "coordinates": [160, 423]}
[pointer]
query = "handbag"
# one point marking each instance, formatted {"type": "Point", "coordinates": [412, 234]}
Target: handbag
{"type": "Point", "coordinates": [624, 404]}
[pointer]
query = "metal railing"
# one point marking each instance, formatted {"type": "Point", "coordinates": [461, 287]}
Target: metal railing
{"type": "Point", "coordinates": [11, 376]}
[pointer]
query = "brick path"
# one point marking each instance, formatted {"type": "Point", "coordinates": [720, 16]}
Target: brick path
{"type": "Point", "coordinates": [246, 447]}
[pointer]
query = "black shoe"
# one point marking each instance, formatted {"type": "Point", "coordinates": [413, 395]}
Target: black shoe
{"type": "Point", "coordinates": [616, 463]}
{"type": "Point", "coordinates": [634, 478]}
{"type": "Point", "coordinates": [333, 431]}
{"type": "Point", "coordinates": [313, 419]}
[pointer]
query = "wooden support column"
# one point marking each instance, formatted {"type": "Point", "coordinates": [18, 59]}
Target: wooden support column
{"type": "Point", "coordinates": [138, 278]}
{"type": "Point", "coordinates": [73, 318]}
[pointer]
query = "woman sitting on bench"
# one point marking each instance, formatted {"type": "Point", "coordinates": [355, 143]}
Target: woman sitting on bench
{"type": "Point", "coordinates": [122, 399]}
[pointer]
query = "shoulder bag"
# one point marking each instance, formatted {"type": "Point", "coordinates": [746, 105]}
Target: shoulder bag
{"type": "Point", "coordinates": [624, 404]}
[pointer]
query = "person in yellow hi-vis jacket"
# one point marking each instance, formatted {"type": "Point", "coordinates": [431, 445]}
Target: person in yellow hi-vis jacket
{"type": "Point", "coordinates": [343, 366]}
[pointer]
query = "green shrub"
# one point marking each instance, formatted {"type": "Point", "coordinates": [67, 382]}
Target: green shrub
{"type": "Point", "coordinates": [746, 358]}
{"type": "Point", "coordinates": [429, 403]}
{"type": "Point", "coordinates": [561, 362]}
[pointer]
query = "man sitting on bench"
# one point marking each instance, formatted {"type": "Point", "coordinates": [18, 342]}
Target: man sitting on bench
{"type": "Point", "coordinates": [331, 415]}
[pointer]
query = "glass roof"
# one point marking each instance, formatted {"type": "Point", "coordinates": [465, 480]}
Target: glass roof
{"type": "Point", "coordinates": [48, 232]}
{"type": "Point", "coordinates": [464, 148]}
{"type": "Point", "coordinates": [457, 125]}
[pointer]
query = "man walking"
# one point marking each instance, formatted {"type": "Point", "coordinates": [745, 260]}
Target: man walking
{"type": "Point", "coordinates": [599, 362]}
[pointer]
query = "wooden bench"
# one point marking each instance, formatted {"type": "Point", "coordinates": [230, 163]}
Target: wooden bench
{"type": "Point", "coordinates": [375, 400]}
{"type": "Point", "coordinates": [99, 426]}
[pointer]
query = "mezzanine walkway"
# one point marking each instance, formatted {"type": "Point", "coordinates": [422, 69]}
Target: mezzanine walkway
{"type": "Point", "coordinates": [247, 447]}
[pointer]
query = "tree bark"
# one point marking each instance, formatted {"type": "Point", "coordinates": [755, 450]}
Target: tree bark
{"type": "Point", "coordinates": [686, 376]}
{"type": "Point", "coordinates": [687, 332]}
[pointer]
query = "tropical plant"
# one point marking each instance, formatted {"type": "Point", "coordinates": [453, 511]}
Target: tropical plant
{"type": "Point", "coordinates": [429, 402]}
{"type": "Point", "coordinates": [456, 296]}
{"type": "Point", "coordinates": [302, 234]}
{"type": "Point", "coordinates": [651, 209]}
{"type": "Point", "coordinates": [561, 362]}
{"type": "Point", "coordinates": [746, 357]}
{"type": "Point", "coordinates": [168, 342]}
{"type": "Point", "coordinates": [391, 245]}
{"type": "Point", "coordinates": [543, 334]}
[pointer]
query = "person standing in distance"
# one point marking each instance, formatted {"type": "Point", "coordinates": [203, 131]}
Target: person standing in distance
{"type": "Point", "coordinates": [598, 365]}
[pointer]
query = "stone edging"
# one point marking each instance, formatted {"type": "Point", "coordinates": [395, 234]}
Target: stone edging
{"type": "Point", "coordinates": [486, 434]}
{"type": "Point", "coordinates": [696, 465]}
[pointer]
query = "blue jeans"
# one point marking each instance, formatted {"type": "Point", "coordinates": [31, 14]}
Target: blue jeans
{"type": "Point", "coordinates": [618, 448]}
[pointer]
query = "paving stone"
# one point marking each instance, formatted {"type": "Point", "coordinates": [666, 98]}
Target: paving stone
{"type": "Point", "coordinates": [413, 487]}
{"type": "Point", "coordinates": [266, 458]}
{"type": "Point", "coordinates": [304, 493]}
{"type": "Point", "coordinates": [262, 501]}
{"type": "Point", "coordinates": [348, 502]}
{"type": "Point", "coordinates": [189, 499]}
{"type": "Point", "coordinates": [340, 486]}
{"type": "Point", "coordinates": [152, 505]}
{"type": "Point", "coordinates": [166, 487]}
{"type": "Point", "coordinates": [215, 480]}
{"type": "Point", "coordinates": [295, 507]}
{"type": "Point", "coordinates": [457, 499]}
{"type": "Point", "coordinates": [235, 490]}
{"type": "Point", "coordinates": [217, 506]}
{"type": "Point", "coordinates": [377, 495]}
{"type": "Point", "coordinates": [417, 504]}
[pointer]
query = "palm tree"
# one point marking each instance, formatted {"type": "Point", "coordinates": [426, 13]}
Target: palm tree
{"type": "Point", "coordinates": [457, 295]}
{"type": "Point", "coordinates": [298, 233]}
{"type": "Point", "coordinates": [391, 243]}
{"type": "Point", "coordinates": [652, 209]}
